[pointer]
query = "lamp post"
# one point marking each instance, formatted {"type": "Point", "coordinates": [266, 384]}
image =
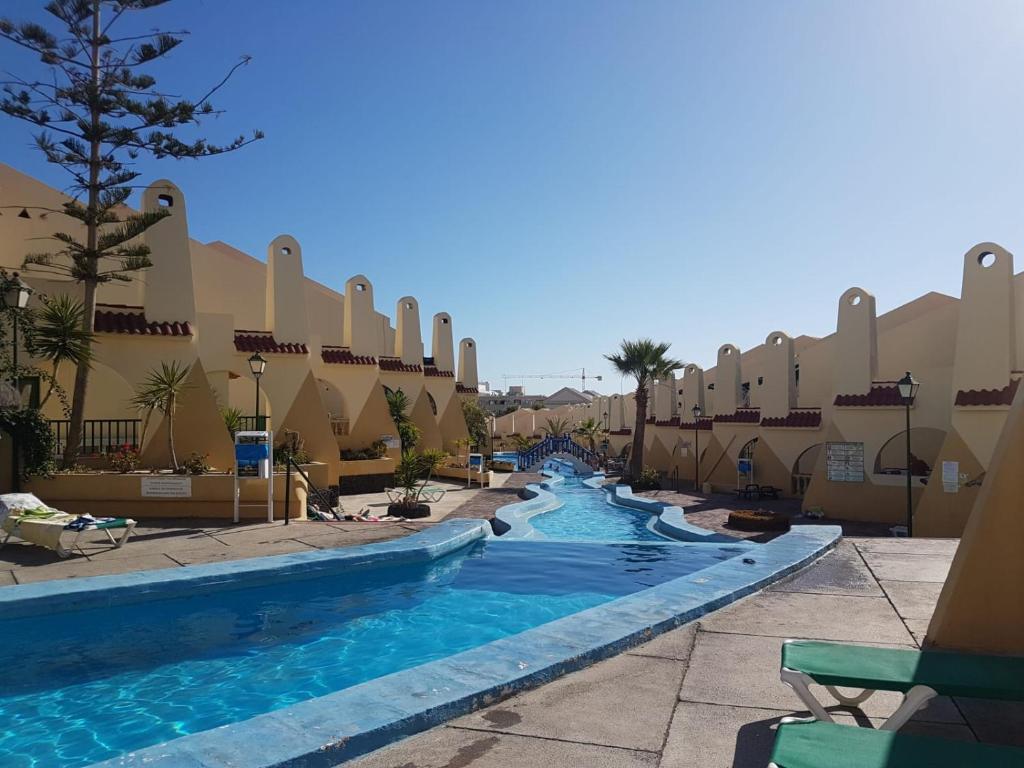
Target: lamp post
{"type": "Point", "coordinates": [257, 365]}
{"type": "Point", "coordinates": [696, 446]}
{"type": "Point", "coordinates": [605, 417]}
{"type": "Point", "coordinates": [908, 387]}
{"type": "Point", "coordinates": [16, 294]}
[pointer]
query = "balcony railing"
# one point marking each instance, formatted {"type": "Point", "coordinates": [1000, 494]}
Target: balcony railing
{"type": "Point", "coordinates": [99, 436]}
{"type": "Point", "coordinates": [253, 423]}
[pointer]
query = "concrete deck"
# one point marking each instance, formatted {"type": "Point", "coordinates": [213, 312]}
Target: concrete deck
{"type": "Point", "coordinates": [709, 694]}
{"type": "Point", "coordinates": [174, 543]}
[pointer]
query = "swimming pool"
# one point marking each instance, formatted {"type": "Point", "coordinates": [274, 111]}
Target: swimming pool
{"type": "Point", "coordinates": [90, 685]}
{"type": "Point", "coordinates": [585, 516]}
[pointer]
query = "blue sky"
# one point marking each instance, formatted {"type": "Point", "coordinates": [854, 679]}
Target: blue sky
{"type": "Point", "coordinates": [559, 175]}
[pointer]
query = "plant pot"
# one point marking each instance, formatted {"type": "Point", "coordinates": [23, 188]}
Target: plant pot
{"type": "Point", "coordinates": [409, 512]}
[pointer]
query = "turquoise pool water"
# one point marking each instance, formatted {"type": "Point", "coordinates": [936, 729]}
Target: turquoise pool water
{"type": "Point", "coordinates": [586, 516]}
{"type": "Point", "coordinates": [87, 686]}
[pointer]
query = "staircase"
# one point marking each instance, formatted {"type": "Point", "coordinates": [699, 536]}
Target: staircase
{"type": "Point", "coordinates": [550, 445]}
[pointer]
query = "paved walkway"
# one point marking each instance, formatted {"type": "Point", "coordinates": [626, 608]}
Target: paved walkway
{"type": "Point", "coordinates": [708, 695]}
{"type": "Point", "coordinates": [173, 543]}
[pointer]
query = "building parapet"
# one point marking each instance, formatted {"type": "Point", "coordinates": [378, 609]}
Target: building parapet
{"type": "Point", "coordinates": [803, 418]}
{"type": "Point", "coordinates": [124, 318]}
{"type": "Point", "coordinates": [344, 356]}
{"type": "Point", "coordinates": [395, 364]}
{"type": "Point", "coordinates": [264, 341]}
{"type": "Point", "coordinates": [883, 394]}
{"type": "Point", "coordinates": [740, 416]}
{"type": "Point", "coordinates": [702, 424]}
{"type": "Point", "coordinates": [979, 397]}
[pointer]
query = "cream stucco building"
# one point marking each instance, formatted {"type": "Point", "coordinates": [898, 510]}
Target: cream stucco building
{"type": "Point", "coordinates": [331, 353]}
{"type": "Point", "coordinates": [821, 418]}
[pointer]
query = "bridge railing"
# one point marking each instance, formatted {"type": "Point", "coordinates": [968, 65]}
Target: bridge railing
{"type": "Point", "coordinates": [552, 444]}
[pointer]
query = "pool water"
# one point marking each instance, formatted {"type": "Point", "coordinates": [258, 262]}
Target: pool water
{"type": "Point", "coordinates": [87, 686]}
{"type": "Point", "coordinates": [586, 516]}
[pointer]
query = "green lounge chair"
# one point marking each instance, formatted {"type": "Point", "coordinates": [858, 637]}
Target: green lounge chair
{"type": "Point", "coordinates": [816, 744]}
{"type": "Point", "coordinates": [919, 675]}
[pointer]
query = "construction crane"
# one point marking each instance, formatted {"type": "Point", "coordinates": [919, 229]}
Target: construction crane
{"type": "Point", "coordinates": [575, 373]}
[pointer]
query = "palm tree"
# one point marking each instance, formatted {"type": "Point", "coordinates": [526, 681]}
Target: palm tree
{"type": "Point", "coordinates": [556, 425]}
{"type": "Point", "coordinates": [646, 362]}
{"type": "Point", "coordinates": [523, 443]}
{"type": "Point", "coordinates": [398, 407]}
{"type": "Point", "coordinates": [591, 429]}
{"type": "Point", "coordinates": [59, 336]}
{"type": "Point", "coordinates": [160, 391]}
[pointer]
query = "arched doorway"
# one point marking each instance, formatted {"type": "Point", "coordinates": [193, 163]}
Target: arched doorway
{"type": "Point", "coordinates": [803, 468]}
{"type": "Point", "coordinates": [745, 464]}
{"type": "Point", "coordinates": [334, 404]}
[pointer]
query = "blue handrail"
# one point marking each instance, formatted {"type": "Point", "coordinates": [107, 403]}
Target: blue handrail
{"type": "Point", "coordinates": [552, 444]}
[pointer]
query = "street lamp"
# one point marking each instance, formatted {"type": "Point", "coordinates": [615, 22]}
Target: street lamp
{"type": "Point", "coordinates": [16, 294]}
{"type": "Point", "coordinates": [908, 387]}
{"type": "Point", "coordinates": [605, 417]}
{"type": "Point", "coordinates": [257, 365]}
{"type": "Point", "coordinates": [696, 446]}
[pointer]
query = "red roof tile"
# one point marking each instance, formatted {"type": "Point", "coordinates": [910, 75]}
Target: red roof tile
{"type": "Point", "coordinates": [881, 394]}
{"type": "Point", "coordinates": [464, 390]}
{"type": "Point", "coordinates": [673, 422]}
{"type": "Point", "coordinates": [807, 418]}
{"type": "Point", "coordinates": [650, 420]}
{"type": "Point", "coordinates": [264, 341]}
{"type": "Point", "coordinates": [1002, 396]}
{"type": "Point", "coordinates": [344, 356]}
{"type": "Point", "coordinates": [702, 424]}
{"type": "Point", "coordinates": [430, 370]}
{"type": "Point", "coordinates": [626, 431]}
{"type": "Point", "coordinates": [396, 364]}
{"type": "Point", "coordinates": [120, 318]}
{"type": "Point", "coordinates": [741, 416]}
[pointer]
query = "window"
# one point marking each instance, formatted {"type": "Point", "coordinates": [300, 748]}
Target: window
{"type": "Point", "coordinates": [433, 403]}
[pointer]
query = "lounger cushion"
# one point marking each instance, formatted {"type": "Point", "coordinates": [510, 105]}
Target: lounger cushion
{"type": "Point", "coordinates": [895, 669]}
{"type": "Point", "coordinates": [819, 744]}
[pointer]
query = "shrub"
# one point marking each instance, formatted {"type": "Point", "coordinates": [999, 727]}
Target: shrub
{"type": "Point", "coordinates": [649, 480]}
{"type": "Point", "coordinates": [35, 439]}
{"type": "Point", "coordinates": [232, 419]}
{"type": "Point", "coordinates": [196, 464]}
{"type": "Point", "coordinates": [378, 449]}
{"type": "Point", "coordinates": [124, 460]}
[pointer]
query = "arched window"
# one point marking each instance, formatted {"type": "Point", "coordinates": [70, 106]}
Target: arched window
{"type": "Point", "coordinates": [433, 403]}
{"type": "Point", "coordinates": [925, 444]}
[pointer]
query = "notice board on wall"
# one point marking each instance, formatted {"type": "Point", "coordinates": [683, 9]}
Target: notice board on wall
{"type": "Point", "coordinates": [844, 462]}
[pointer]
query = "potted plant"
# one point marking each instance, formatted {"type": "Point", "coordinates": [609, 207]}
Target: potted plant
{"type": "Point", "coordinates": [412, 474]}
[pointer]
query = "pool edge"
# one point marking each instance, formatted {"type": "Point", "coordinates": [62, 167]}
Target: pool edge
{"type": "Point", "coordinates": [330, 729]}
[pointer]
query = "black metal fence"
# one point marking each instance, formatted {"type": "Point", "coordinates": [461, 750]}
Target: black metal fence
{"type": "Point", "coordinates": [99, 436]}
{"type": "Point", "coordinates": [253, 423]}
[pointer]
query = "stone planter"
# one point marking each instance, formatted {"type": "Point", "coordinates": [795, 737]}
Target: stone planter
{"type": "Point", "coordinates": [401, 510]}
{"type": "Point", "coordinates": [121, 495]}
